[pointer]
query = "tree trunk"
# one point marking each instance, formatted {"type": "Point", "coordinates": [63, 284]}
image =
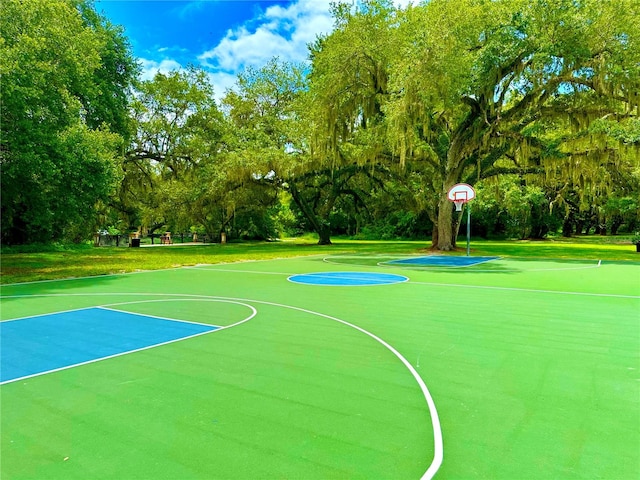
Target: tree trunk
{"type": "Point", "coordinates": [446, 238]}
{"type": "Point", "coordinates": [579, 227]}
{"type": "Point", "coordinates": [452, 175]}
{"type": "Point", "coordinates": [615, 225]}
{"type": "Point", "coordinates": [319, 226]}
{"type": "Point", "coordinates": [445, 224]}
{"type": "Point", "coordinates": [324, 235]}
{"type": "Point", "coordinates": [567, 226]}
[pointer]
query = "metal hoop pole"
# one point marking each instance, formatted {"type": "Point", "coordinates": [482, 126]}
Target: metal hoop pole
{"type": "Point", "coordinates": [468, 227]}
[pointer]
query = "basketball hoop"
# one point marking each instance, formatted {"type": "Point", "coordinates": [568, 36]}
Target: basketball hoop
{"type": "Point", "coordinates": [460, 194]}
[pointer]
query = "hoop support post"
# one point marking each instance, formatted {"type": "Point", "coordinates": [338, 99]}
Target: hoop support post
{"type": "Point", "coordinates": [468, 229]}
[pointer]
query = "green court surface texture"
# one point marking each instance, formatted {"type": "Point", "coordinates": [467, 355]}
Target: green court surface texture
{"type": "Point", "coordinates": [509, 369]}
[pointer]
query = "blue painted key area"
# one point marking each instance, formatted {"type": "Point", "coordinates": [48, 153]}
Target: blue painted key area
{"type": "Point", "coordinates": [35, 345]}
{"type": "Point", "coordinates": [441, 261]}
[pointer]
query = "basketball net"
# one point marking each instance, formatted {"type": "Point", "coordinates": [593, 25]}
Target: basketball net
{"type": "Point", "coordinates": [459, 204]}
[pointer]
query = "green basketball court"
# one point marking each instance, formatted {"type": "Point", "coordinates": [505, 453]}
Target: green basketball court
{"type": "Point", "coordinates": [503, 369]}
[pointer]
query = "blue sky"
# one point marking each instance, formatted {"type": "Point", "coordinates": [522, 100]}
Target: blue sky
{"type": "Point", "coordinates": [222, 36]}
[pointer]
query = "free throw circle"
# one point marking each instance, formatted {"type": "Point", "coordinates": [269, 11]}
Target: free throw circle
{"type": "Point", "coordinates": [347, 279]}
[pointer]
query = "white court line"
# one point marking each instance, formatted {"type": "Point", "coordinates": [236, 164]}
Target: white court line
{"type": "Point", "coordinates": [219, 327]}
{"type": "Point", "coordinates": [253, 261]}
{"type": "Point", "coordinates": [317, 275]}
{"type": "Point", "coordinates": [231, 270]}
{"type": "Point", "coordinates": [409, 282]}
{"type": "Point", "coordinates": [453, 285]}
{"type": "Point", "coordinates": [444, 268]}
{"type": "Point", "coordinates": [44, 314]}
{"type": "Point", "coordinates": [70, 279]}
{"type": "Point", "coordinates": [314, 274]}
{"type": "Point", "coordinates": [568, 269]}
{"type": "Point", "coordinates": [438, 453]}
{"type": "Point", "coordinates": [527, 290]}
{"type": "Point", "coordinates": [102, 307]}
{"type": "Point", "coordinates": [438, 448]}
{"type": "Point", "coordinates": [5, 285]}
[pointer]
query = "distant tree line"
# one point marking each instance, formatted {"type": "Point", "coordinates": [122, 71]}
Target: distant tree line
{"type": "Point", "coordinates": [534, 102]}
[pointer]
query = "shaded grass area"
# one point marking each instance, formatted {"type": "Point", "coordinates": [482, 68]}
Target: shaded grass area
{"type": "Point", "coordinates": [93, 261]}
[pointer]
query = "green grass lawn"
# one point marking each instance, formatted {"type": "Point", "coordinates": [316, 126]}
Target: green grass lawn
{"type": "Point", "coordinates": [90, 261]}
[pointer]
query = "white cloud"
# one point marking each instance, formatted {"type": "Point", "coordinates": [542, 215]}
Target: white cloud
{"type": "Point", "coordinates": [151, 67]}
{"type": "Point", "coordinates": [282, 31]}
{"type": "Point", "coordinates": [405, 3]}
{"type": "Point", "coordinates": [221, 81]}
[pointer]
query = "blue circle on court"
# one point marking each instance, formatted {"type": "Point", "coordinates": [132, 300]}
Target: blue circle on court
{"type": "Point", "coordinates": [347, 279]}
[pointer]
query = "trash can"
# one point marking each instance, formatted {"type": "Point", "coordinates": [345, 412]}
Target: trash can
{"type": "Point", "coordinates": [135, 242]}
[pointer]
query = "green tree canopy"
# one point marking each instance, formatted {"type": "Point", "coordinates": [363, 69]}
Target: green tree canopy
{"type": "Point", "coordinates": [60, 63]}
{"type": "Point", "coordinates": [395, 107]}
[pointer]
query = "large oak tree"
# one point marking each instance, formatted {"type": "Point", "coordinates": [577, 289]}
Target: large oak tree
{"type": "Point", "coordinates": [482, 88]}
